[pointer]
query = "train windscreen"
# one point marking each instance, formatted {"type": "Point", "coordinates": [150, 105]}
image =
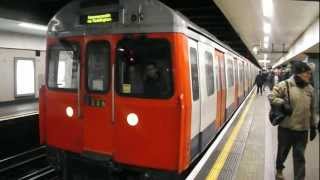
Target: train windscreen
{"type": "Point", "coordinates": [63, 66]}
{"type": "Point", "coordinates": [144, 68]}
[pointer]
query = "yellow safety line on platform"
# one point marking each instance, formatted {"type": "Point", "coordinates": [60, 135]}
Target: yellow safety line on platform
{"type": "Point", "coordinates": [219, 163]}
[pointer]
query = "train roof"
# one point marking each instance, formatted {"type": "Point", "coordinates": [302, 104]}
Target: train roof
{"type": "Point", "coordinates": [94, 17]}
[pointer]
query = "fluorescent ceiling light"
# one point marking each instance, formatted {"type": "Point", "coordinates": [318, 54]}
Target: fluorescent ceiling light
{"type": "Point", "coordinates": [266, 39]}
{"type": "Point", "coordinates": [265, 45]}
{"type": "Point", "coordinates": [266, 28]}
{"type": "Point", "coordinates": [255, 49]}
{"type": "Point", "coordinates": [34, 26]}
{"type": "Point", "coordinates": [264, 61]}
{"type": "Point", "coordinates": [267, 8]}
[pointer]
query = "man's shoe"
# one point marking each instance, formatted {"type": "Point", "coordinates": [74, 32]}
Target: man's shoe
{"type": "Point", "coordinates": [279, 175]}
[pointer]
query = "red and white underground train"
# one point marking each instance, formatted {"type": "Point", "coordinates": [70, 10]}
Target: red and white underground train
{"type": "Point", "coordinates": [135, 83]}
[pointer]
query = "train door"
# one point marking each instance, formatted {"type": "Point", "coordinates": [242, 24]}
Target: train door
{"type": "Point", "coordinates": [208, 95]}
{"type": "Point", "coordinates": [242, 73]}
{"type": "Point", "coordinates": [98, 104]}
{"type": "Point", "coordinates": [221, 109]}
{"type": "Point", "coordinates": [247, 78]}
{"type": "Point", "coordinates": [196, 100]}
{"type": "Point", "coordinates": [236, 80]}
{"type": "Point", "coordinates": [229, 85]}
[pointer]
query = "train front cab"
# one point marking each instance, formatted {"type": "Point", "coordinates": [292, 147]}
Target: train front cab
{"type": "Point", "coordinates": [108, 116]}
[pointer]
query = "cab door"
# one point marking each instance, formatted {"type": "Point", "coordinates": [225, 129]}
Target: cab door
{"type": "Point", "coordinates": [97, 99]}
{"type": "Point", "coordinates": [146, 108]}
{"type": "Point", "coordinates": [64, 128]}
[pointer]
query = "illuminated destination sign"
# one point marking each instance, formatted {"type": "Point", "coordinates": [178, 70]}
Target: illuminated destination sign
{"type": "Point", "coordinates": [104, 18]}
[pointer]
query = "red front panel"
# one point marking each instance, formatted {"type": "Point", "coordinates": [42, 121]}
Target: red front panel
{"type": "Point", "coordinates": [62, 131]}
{"type": "Point", "coordinates": [161, 139]}
{"type": "Point", "coordinates": [154, 141]}
{"type": "Point", "coordinates": [98, 127]}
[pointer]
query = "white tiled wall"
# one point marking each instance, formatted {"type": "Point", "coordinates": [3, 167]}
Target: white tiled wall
{"type": "Point", "coordinates": [18, 45]}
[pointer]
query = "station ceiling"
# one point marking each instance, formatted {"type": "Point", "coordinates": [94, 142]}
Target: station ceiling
{"type": "Point", "coordinates": [287, 20]}
{"type": "Point", "coordinates": [204, 13]}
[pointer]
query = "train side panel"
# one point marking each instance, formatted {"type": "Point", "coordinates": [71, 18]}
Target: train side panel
{"type": "Point", "coordinates": [208, 94]}
{"type": "Point", "coordinates": [236, 80]}
{"type": "Point", "coordinates": [230, 90]}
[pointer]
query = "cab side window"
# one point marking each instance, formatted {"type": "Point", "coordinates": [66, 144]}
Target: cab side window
{"type": "Point", "coordinates": [62, 67]}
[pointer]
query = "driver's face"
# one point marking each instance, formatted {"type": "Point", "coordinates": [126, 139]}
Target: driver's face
{"type": "Point", "coordinates": [151, 71]}
{"type": "Point", "coordinates": [132, 72]}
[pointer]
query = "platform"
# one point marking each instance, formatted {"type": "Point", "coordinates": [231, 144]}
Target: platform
{"type": "Point", "coordinates": [17, 110]}
{"type": "Point", "coordinates": [258, 158]}
{"type": "Point", "coordinates": [247, 151]}
{"type": "Point", "coordinates": [19, 128]}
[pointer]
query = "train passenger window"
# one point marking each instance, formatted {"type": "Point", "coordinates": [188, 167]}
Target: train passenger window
{"type": "Point", "coordinates": [63, 66]}
{"type": "Point", "coordinates": [194, 73]}
{"type": "Point", "coordinates": [98, 66]}
{"type": "Point", "coordinates": [230, 73]}
{"type": "Point", "coordinates": [144, 68]}
{"type": "Point", "coordinates": [216, 68]}
{"type": "Point", "coordinates": [209, 73]}
{"type": "Point", "coordinates": [236, 69]}
{"type": "Point", "coordinates": [241, 73]}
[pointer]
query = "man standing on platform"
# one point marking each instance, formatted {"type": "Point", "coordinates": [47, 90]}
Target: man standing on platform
{"type": "Point", "coordinates": [259, 82]}
{"type": "Point", "coordinates": [293, 130]}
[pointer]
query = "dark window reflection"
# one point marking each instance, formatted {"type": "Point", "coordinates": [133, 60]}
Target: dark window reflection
{"type": "Point", "coordinates": [194, 73]}
{"type": "Point", "coordinates": [144, 68]}
{"type": "Point", "coordinates": [98, 63]}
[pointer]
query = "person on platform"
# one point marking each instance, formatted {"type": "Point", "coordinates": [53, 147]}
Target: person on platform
{"type": "Point", "coordinates": [293, 130]}
{"type": "Point", "coordinates": [259, 81]}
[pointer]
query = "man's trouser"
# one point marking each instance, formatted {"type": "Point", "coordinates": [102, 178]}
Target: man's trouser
{"type": "Point", "coordinates": [259, 88]}
{"type": "Point", "coordinates": [298, 141]}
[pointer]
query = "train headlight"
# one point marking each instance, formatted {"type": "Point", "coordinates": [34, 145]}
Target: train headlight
{"type": "Point", "coordinates": [69, 111]}
{"type": "Point", "coordinates": [132, 119]}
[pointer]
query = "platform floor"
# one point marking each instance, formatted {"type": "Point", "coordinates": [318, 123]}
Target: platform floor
{"type": "Point", "coordinates": [258, 158]}
{"type": "Point", "coordinates": [247, 151]}
{"type": "Point", "coordinates": [18, 109]}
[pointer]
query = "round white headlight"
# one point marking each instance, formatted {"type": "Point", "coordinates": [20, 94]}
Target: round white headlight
{"type": "Point", "coordinates": [69, 111]}
{"type": "Point", "coordinates": [132, 119]}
